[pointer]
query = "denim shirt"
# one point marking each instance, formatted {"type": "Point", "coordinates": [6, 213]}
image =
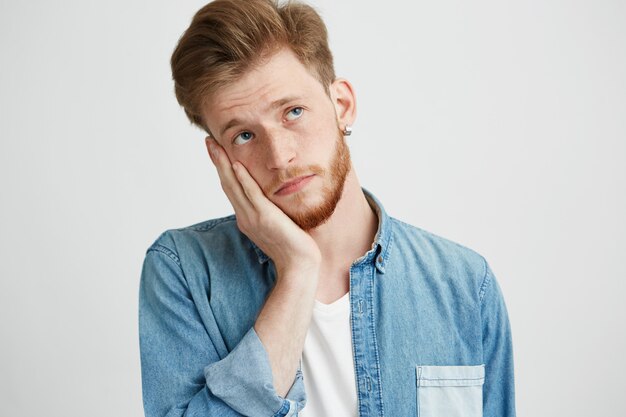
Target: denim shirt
{"type": "Point", "coordinates": [430, 330]}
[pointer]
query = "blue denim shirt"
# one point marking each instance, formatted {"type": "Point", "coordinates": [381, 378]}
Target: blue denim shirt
{"type": "Point", "coordinates": [430, 331]}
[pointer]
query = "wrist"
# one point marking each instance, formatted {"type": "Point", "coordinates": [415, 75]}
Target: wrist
{"type": "Point", "coordinates": [296, 272]}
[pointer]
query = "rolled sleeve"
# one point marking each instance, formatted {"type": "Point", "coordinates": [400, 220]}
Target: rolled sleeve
{"type": "Point", "coordinates": [182, 372]}
{"type": "Point", "coordinates": [246, 375]}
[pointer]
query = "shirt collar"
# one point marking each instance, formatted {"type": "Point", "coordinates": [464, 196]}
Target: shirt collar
{"type": "Point", "coordinates": [381, 244]}
{"type": "Point", "coordinates": [382, 239]}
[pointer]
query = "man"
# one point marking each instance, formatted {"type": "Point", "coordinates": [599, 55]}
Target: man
{"type": "Point", "coordinates": [310, 294]}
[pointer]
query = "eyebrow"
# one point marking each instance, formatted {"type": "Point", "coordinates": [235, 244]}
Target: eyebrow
{"type": "Point", "coordinates": [275, 104]}
{"type": "Point", "coordinates": [282, 101]}
{"type": "Point", "coordinates": [231, 123]}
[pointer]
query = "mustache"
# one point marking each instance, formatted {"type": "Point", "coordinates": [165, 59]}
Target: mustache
{"type": "Point", "coordinates": [291, 174]}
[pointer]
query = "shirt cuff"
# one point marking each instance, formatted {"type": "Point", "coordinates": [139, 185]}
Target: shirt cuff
{"type": "Point", "coordinates": [243, 380]}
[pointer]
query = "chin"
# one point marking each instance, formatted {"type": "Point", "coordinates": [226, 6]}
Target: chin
{"type": "Point", "coordinates": [309, 212]}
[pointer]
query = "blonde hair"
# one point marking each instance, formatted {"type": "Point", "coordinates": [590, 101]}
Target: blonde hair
{"type": "Point", "coordinates": [226, 38]}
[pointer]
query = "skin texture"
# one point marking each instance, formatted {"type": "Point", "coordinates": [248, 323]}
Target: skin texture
{"type": "Point", "coordinates": [273, 125]}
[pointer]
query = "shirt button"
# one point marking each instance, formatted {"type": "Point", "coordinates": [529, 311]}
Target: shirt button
{"type": "Point", "coordinates": [380, 259]}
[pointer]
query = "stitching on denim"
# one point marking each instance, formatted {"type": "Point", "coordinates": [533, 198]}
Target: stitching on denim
{"type": "Point", "coordinates": [166, 251]}
{"type": "Point", "coordinates": [452, 379]}
{"type": "Point", "coordinates": [373, 327]}
{"type": "Point", "coordinates": [419, 386]}
{"type": "Point", "coordinates": [436, 236]}
{"type": "Point", "coordinates": [281, 411]}
{"type": "Point", "coordinates": [486, 280]}
{"type": "Point", "coordinates": [354, 353]}
{"type": "Point", "coordinates": [209, 224]}
{"type": "Point", "coordinates": [388, 249]}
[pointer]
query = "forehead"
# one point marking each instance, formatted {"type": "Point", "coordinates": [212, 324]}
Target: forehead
{"type": "Point", "coordinates": [280, 76]}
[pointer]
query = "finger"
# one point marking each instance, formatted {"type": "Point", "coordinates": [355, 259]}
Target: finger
{"type": "Point", "coordinates": [250, 187]}
{"type": "Point", "coordinates": [230, 183]}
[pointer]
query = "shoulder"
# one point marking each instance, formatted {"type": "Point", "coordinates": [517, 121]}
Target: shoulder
{"type": "Point", "coordinates": [442, 258]}
{"type": "Point", "coordinates": [213, 247]}
{"type": "Point", "coordinates": [202, 255]}
{"type": "Point", "coordinates": [203, 235]}
{"type": "Point", "coordinates": [434, 246]}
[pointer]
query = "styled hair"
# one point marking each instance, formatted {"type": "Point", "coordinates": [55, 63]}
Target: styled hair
{"type": "Point", "coordinates": [227, 38]}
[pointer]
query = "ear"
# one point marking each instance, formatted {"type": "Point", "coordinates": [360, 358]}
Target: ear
{"type": "Point", "coordinates": [344, 100]}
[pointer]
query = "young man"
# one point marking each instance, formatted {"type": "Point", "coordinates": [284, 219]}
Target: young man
{"type": "Point", "coordinates": [310, 294]}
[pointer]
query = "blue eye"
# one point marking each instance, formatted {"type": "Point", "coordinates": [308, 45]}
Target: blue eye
{"type": "Point", "coordinates": [295, 113]}
{"type": "Point", "coordinates": [242, 138]}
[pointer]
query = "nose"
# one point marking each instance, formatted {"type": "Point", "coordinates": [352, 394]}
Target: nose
{"type": "Point", "coordinates": [280, 149]}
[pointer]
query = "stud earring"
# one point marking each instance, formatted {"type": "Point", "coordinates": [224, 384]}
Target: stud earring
{"type": "Point", "coordinates": [347, 131]}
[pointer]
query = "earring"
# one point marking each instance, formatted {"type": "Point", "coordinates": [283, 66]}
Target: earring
{"type": "Point", "coordinates": [347, 131]}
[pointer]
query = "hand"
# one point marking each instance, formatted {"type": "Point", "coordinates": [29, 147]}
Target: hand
{"type": "Point", "coordinates": [290, 247]}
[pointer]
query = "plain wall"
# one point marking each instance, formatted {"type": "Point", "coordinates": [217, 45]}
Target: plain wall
{"type": "Point", "coordinates": [499, 125]}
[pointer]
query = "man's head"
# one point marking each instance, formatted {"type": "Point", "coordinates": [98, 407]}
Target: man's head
{"type": "Point", "coordinates": [259, 79]}
{"type": "Point", "coordinates": [227, 38]}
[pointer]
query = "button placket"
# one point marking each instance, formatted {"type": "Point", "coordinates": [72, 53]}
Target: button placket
{"type": "Point", "coordinates": [365, 350]}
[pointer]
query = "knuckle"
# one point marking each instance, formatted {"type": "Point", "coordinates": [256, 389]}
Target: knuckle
{"type": "Point", "coordinates": [242, 224]}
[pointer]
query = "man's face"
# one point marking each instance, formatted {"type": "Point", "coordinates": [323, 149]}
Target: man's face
{"type": "Point", "coordinates": [278, 121]}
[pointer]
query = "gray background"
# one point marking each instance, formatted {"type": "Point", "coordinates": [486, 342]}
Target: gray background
{"type": "Point", "coordinates": [500, 125]}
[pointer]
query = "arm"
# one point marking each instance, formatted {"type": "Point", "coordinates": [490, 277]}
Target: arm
{"type": "Point", "coordinates": [283, 322]}
{"type": "Point", "coordinates": [182, 372]}
{"type": "Point", "coordinates": [499, 389]}
{"type": "Point", "coordinates": [284, 319]}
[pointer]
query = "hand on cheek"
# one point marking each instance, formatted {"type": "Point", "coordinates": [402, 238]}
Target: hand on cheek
{"type": "Point", "coordinates": [259, 218]}
{"type": "Point", "coordinates": [230, 181]}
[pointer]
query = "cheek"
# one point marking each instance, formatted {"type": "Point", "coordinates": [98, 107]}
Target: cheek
{"type": "Point", "coordinates": [315, 135]}
{"type": "Point", "coordinates": [322, 140]}
{"type": "Point", "coordinates": [239, 154]}
{"type": "Point", "coordinates": [250, 162]}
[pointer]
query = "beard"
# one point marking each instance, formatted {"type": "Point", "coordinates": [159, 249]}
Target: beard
{"type": "Point", "coordinates": [310, 217]}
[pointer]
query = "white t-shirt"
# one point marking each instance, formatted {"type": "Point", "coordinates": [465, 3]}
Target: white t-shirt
{"type": "Point", "coordinates": [327, 362]}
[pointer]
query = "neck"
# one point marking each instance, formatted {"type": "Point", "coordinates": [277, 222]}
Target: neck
{"type": "Point", "coordinates": [349, 232]}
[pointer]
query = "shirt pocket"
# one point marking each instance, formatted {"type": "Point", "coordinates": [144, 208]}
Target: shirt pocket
{"type": "Point", "coordinates": [450, 391]}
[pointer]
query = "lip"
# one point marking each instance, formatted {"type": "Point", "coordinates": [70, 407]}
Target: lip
{"type": "Point", "coordinates": [294, 185]}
